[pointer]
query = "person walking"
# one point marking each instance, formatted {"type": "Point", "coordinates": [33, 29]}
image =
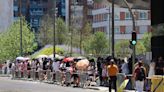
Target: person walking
{"type": "Point", "coordinates": [124, 66]}
{"type": "Point", "coordinates": [159, 66]}
{"type": "Point", "coordinates": [112, 73]}
{"type": "Point", "coordinates": [139, 76]}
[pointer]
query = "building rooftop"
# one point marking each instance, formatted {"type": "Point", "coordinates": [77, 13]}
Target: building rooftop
{"type": "Point", "coordinates": [135, 4]}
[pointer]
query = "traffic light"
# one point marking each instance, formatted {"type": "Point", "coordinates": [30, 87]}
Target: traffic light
{"type": "Point", "coordinates": [134, 38]}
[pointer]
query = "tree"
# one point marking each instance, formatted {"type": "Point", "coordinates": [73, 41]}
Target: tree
{"type": "Point", "coordinates": [61, 31]}
{"type": "Point", "coordinates": [46, 31]}
{"type": "Point", "coordinates": [122, 48]}
{"type": "Point", "coordinates": [140, 49]}
{"type": "Point", "coordinates": [98, 44]}
{"type": "Point", "coordinates": [45, 35]}
{"type": "Point", "coordinates": [147, 41]}
{"type": "Point", "coordinates": [85, 34]}
{"type": "Point", "coordinates": [10, 41]}
{"type": "Point", "coordinates": [98, 1]}
{"type": "Point", "coordinates": [158, 30]}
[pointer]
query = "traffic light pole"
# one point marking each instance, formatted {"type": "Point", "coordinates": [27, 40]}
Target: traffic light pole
{"type": "Point", "coordinates": [54, 15]}
{"type": "Point", "coordinates": [134, 30]}
{"type": "Point", "coordinates": [20, 13]}
{"type": "Point", "coordinates": [113, 28]}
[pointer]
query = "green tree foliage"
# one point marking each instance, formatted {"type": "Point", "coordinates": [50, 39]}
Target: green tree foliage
{"type": "Point", "coordinates": [122, 48]}
{"type": "Point", "coordinates": [48, 51]}
{"type": "Point", "coordinates": [61, 31]}
{"type": "Point", "coordinates": [146, 40]}
{"type": "Point", "coordinates": [97, 45]}
{"type": "Point", "coordinates": [45, 35]}
{"type": "Point", "coordinates": [158, 30]}
{"type": "Point", "coordinates": [10, 41]}
{"type": "Point", "coordinates": [97, 1]}
{"type": "Point", "coordinates": [47, 29]}
{"type": "Point", "coordinates": [87, 31]}
{"type": "Point", "coordinates": [86, 34]}
{"type": "Point", "coordinates": [140, 48]}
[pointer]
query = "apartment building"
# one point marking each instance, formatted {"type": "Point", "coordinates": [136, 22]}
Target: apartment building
{"type": "Point", "coordinates": [33, 10]}
{"type": "Point", "coordinates": [80, 12]}
{"type": "Point", "coordinates": [123, 21]}
{"type": "Point", "coordinates": [6, 14]}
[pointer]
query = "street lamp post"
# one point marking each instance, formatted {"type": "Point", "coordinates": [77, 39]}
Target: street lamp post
{"type": "Point", "coordinates": [113, 28]}
{"type": "Point", "coordinates": [54, 15]}
{"type": "Point", "coordinates": [20, 15]}
{"type": "Point", "coordinates": [73, 21]}
{"type": "Point", "coordinates": [109, 27]}
{"type": "Point", "coordinates": [134, 30]}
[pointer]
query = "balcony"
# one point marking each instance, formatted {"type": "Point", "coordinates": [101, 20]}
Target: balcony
{"type": "Point", "coordinates": [39, 13]}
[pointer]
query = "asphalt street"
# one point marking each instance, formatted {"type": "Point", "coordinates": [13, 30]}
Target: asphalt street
{"type": "Point", "coordinates": [8, 85]}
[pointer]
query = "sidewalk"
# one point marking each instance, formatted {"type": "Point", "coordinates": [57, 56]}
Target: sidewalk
{"type": "Point", "coordinates": [100, 88]}
{"type": "Point", "coordinates": [105, 89]}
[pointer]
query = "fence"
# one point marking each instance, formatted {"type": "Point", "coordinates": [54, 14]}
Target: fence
{"type": "Point", "coordinates": [58, 77]}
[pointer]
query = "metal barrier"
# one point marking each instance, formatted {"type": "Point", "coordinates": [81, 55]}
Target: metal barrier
{"type": "Point", "coordinates": [68, 78]}
{"type": "Point", "coordinates": [120, 78]}
{"type": "Point", "coordinates": [0, 71]}
{"type": "Point", "coordinates": [58, 77]}
{"type": "Point", "coordinates": [48, 75]}
{"type": "Point", "coordinates": [83, 79]}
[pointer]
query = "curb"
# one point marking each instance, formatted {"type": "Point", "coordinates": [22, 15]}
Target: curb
{"type": "Point", "coordinates": [97, 88]}
{"type": "Point", "coordinates": [94, 88]}
{"type": "Point", "coordinates": [4, 75]}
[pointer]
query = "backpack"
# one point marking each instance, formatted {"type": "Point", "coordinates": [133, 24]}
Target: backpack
{"type": "Point", "coordinates": [141, 74]}
{"type": "Point", "coordinates": [10, 65]}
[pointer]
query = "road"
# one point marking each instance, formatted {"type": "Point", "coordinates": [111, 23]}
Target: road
{"type": "Point", "coordinates": [8, 85]}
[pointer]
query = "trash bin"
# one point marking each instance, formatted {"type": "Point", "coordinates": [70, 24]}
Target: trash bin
{"type": "Point", "coordinates": [157, 84]}
{"type": "Point", "coordinates": [130, 84]}
{"type": "Point", "coordinates": [120, 78]}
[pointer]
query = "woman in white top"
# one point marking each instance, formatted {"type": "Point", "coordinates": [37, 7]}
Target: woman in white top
{"type": "Point", "coordinates": [151, 69]}
{"type": "Point", "coordinates": [124, 66]}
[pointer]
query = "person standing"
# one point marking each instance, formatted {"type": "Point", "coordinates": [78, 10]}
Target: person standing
{"type": "Point", "coordinates": [112, 73]}
{"type": "Point", "coordinates": [151, 69]}
{"type": "Point", "coordinates": [159, 66]}
{"type": "Point", "coordinates": [124, 67]}
{"type": "Point", "coordinates": [139, 76]}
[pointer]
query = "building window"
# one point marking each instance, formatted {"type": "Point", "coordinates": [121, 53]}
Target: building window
{"type": "Point", "coordinates": [128, 15]}
{"type": "Point", "coordinates": [105, 17]}
{"type": "Point", "coordinates": [116, 17]}
{"type": "Point", "coordinates": [143, 29]}
{"type": "Point", "coordinates": [128, 29]}
{"type": "Point", "coordinates": [117, 30]}
{"type": "Point", "coordinates": [143, 15]}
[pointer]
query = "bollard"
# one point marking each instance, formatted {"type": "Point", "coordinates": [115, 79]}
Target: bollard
{"type": "Point", "coordinates": [120, 78]}
{"type": "Point", "coordinates": [36, 75]}
{"type": "Point", "coordinates": [0, 71]}
{"type": "Point", "coordinates": [25, 74]}
{"type": "Point", "coordinates": [58, 77]}
{"type": "Point", "coordinates": [19, 74]}
{"type": "Point", "coordinates": [83, 79]}
{"type": "Point", "coordinates": [130, 84]}
{"type": "Point", "coordinates": [16, 73]}
{"type": "Point", "coordinates": [48, 75]}
{"type": "Point", "coordinates": [68, 78]}
{"type": "Point", "coordinates": [13, 74]}
{"type": "Point", "coordinates": [32, 74]}
{"type": "Point", "coordinates": [41, 75]}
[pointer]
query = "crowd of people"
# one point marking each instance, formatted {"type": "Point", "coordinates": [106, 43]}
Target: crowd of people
{"type": "Point", "coordinates": [102, 69]}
